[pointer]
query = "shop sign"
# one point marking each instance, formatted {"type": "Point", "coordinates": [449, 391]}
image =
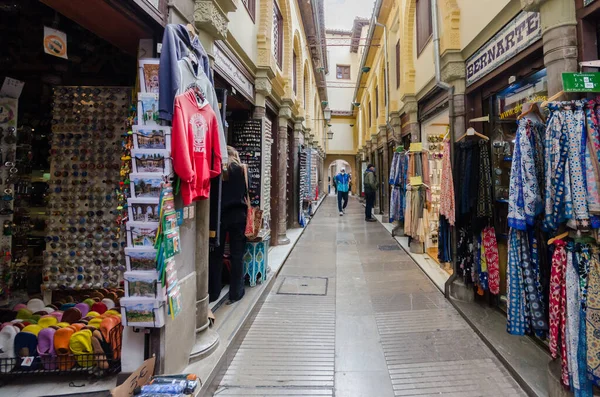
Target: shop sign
{"type": "Point", "coordinates": [581, 82]}
{"type": "Point", "coordinates": [230, 70]}
{"type": "Point", "coordinates": [516, 36]}
{"type": "Point", "coordinates": [55, 42]}
{"type": "Point", "coordinates": [587, 2]}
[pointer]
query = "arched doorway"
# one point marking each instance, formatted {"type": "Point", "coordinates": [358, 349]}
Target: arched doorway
{"type": "Point", "coordinates": [334, 168]}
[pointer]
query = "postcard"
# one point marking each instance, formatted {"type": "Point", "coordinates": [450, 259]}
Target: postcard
{"type": "Point", "coordinates": [151, 161]}
{"type": "Point", "coordinates": [145, 185]}
{"type": "Point", "coordinates": [143, 209]}
{"type": "Point", "coordinates": [147, 110]}
{"type": "Point", "coordinates": [152, 137]}
{"type": "Point", "coordinates": [142, 312]}
{"type": "Point", "coordinates": [140, 258]}
{"type": "Point", "coordinates": [141, 234]}
{"type": "Point", "coordinates": [141, 284]}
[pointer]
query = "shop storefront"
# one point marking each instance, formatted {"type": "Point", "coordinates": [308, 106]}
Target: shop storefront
{"type": "Point", "coordinates": [434, 120]}
{"type": "Point", "coordinates": [66, 191]}
{"type": "Point", "coordinates": [497, 90]}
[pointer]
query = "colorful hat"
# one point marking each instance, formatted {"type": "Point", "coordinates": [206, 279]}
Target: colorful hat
{"type": "Point", "coordinates": [19, 306]}
{"type": "Point", "coordinates": [99, 307]}
{"type": "Point", "coordinates": [89, 302]}
{"type": "Point", "coordinates": [62, 325]}
{"type": "Point", "coordinates": [113, 313]}
{"type": "Point", "coordinates": [61, 345]}
{"type": "Point", "coordinates": [93, 314]}
{"type": "Point", "coordinates": [57, 314]}
{"type": "Point", "coordinates": [33, 329]}
{"type": "Point", "coordinates": [26, 346]}
{"type": "Point", "coordinates": [81, 346]}
{"type": "Point", "coordinates": [67, 306]}
{"type": "Point", "coordinates": [99, 351]}
{"type": "Point", "coordinates": [83, 308]}
{"type": "Point", "coordinates": [49, 309]}
{"type": "Point", "coordinates": [47, 321]}
{"type": "Point", "coordinates": [7, 342]}
{"type": "Point", "coordinates": [35, 305]}
{"type": "Point", "coordinates": [71, 315]}
{"type": "Point", "coordinates": [109, 303]}
{"type": "Point", "coordinates": [45, 348]}
{"type": "Point", "coordinates": [24, 314]}
{"type": "Point", "coordinates": [95, 322]}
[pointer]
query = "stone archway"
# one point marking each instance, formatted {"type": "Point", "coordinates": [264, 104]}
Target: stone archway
{"type": "Point", "coordinates": [348, 161]}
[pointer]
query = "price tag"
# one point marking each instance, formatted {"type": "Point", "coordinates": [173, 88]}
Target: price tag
{"type": "Point", "coordinates": [11, 88]}
{"type": "Point", "coordinates": [416, 147]}
{"type": "Point", "coordinates": [27, 361]}
{"type": "Point", "coordinates": [416, 180]}
{"type": "Point", "coordinates": [192, 212]}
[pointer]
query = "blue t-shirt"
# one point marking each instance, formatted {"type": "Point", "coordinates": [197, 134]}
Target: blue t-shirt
{"type": "Point", "coordinates": [342, 182]}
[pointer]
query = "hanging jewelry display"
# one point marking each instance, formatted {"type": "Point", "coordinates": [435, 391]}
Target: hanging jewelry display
{"type": "Point", "coordinates": [8, 175]}
{"type": "Point", "coordinates": [84, 238]}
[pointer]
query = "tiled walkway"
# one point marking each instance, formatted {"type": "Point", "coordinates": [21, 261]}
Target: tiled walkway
{"type": "Point", "coordinates": [351, 315]}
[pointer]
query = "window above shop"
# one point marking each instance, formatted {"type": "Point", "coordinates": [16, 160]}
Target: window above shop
{"type": "Point", "coordinates": [295, 73]}
{"type": "Point", "coordinates": [398, 64]}
{"type": "Point", "coordinates": [342, 72]}
{"type": "Point", "coordinates": [251, 7]}
{"type": "Point", "coordinates": [277, 34]}
{"type": "Point", "coordinates": [424, 26]}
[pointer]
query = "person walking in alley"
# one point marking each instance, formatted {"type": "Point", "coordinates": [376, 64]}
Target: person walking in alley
{"type": "Point", "coordinates": [234, 208]}
{"type": "Point", "coordinates": [370, 191]}
{"type": "Point", "coordinates": [342, 182]}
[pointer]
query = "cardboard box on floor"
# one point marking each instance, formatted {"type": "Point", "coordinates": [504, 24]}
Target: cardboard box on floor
{"type": "Point", "coordinates": [137, 379]}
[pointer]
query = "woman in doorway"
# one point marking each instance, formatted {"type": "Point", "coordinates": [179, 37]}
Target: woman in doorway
{"type": "Point", "coordinates": [233, 221]}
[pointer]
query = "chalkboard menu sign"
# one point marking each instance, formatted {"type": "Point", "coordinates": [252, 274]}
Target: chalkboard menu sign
{"type": "Point", "coordinates": [247, 141]}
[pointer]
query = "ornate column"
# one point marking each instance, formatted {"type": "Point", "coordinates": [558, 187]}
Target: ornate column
{"type": "Point", "coordinates": [559, 33]}
{"type": "Point", "coordinates": [374, 160]}
{"type": "Point", "coordinates": [210, 17]}
{"type": "Point", "coordinates": [410, 108]}
{"type": "Point", "coordinates": [285, 114]}
{"type": "Point", "coordinates": [385, 175]}
{"type": "Point", "coordinates": [296, 172]}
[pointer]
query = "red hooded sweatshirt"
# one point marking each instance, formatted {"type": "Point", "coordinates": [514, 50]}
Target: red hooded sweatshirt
{"type": "Point", "coordinates": [195, 146]}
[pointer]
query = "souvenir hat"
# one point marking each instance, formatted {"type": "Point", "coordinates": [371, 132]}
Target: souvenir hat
{"type": "Point", "coordinates": [49, 309]}
{"type": "Point", "coordinates": [57, 314]}
{"type": "Point", "coordinates": [99, 307]}
{"type": "Point", "coordinates": [67, 306]}
{"type": "Point", "coordinates": [81, 346]}
{"type": "Point", "coordinates": [33, 329]}
{"type": "Point", "coordinates": [93, 314]}
{"type": "Point", "coordinates": [45, 348]}
{"type": "Point", "coordinates": [89, 302]}
{"type": "Point", "coordinates": [7, 342]}
{"type": "Point", "coordinates": [99, 351]}
{"type": "Point", "coordinates": [77, 326]}
{"type": "Point", "coordinates": [71, 315]}
{"type": "Point", "coordinates": [61, 346]}
{"type": "Point", "coordinates": [83, 308]}
{"type": "Point", "coordinates": [25, 344]}
{"type": "Point", "coordinates": [35, 305]}
{"type": "Point", "coordinates": [109, 303]}
{"type": "Point", "coordinates": [47, 321]}
{"type": "Point", "coordinates": [95, 322]}
{"type": "Point", "coordinates": [62, 325]}
{"type": "Point", "coordinates": [19, 306]}
{"type": "Point", "coordinates": [24, 314]}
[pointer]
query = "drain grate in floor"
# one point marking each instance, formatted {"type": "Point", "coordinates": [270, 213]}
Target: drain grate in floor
{"type": "Point", "coordinates": [388, 248]}
{"type": "Point", "coordinates": [304, 286]}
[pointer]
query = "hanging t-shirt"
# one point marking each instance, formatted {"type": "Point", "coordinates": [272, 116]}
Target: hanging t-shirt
{"type": "Point", "coordinates": [196, 150]}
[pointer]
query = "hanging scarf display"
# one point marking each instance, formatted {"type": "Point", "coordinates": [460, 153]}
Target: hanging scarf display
{"type": "Point", "coordinates": [447, 204]}
{"type": "Point", "coordinates": [490, 247]}
{"type": "Point", "coordinates": [593, 319]}
{"type": "Point", "coordinates": [398, 180]}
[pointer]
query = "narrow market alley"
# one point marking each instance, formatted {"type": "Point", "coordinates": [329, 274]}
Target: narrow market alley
{"type": "Point", "coordinates": [352, 315]}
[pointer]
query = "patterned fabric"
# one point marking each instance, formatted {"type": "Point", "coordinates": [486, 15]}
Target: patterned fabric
{"type": "Point", "coordinates": [525, 199]}
{"type": "Point", "coordinates": [444, 241]}
{"type": "Point", "coordinates": [559, 201]}
{"type": "Point", "coordinates": [591, 159]}
{"type": "Point", "coordinates": [517, 312]}
{"type": "Point", "coordinates": [557, 279]}
{"type": "Point", "coordinates": [572, 335]}
{"type": "Point", "coordinates": [447, 204]}
{"type": "Point", "coordinates": [491, 257]}
{"type": "Point", "coordinates": [531, 284]}
{"type": "Point", "coordinates": [484, 201]}
{"type": "Point", "coordinates": [593, 320]}
{"type": "Point", "coordinates": [574, 121]}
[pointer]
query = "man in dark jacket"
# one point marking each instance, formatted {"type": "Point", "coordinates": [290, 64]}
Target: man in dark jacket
{"type": "Point", "coordinates": [371, 186]}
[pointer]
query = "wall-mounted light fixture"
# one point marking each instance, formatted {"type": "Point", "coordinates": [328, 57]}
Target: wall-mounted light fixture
{"type": "Point", "coordinates": [330, 134]}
